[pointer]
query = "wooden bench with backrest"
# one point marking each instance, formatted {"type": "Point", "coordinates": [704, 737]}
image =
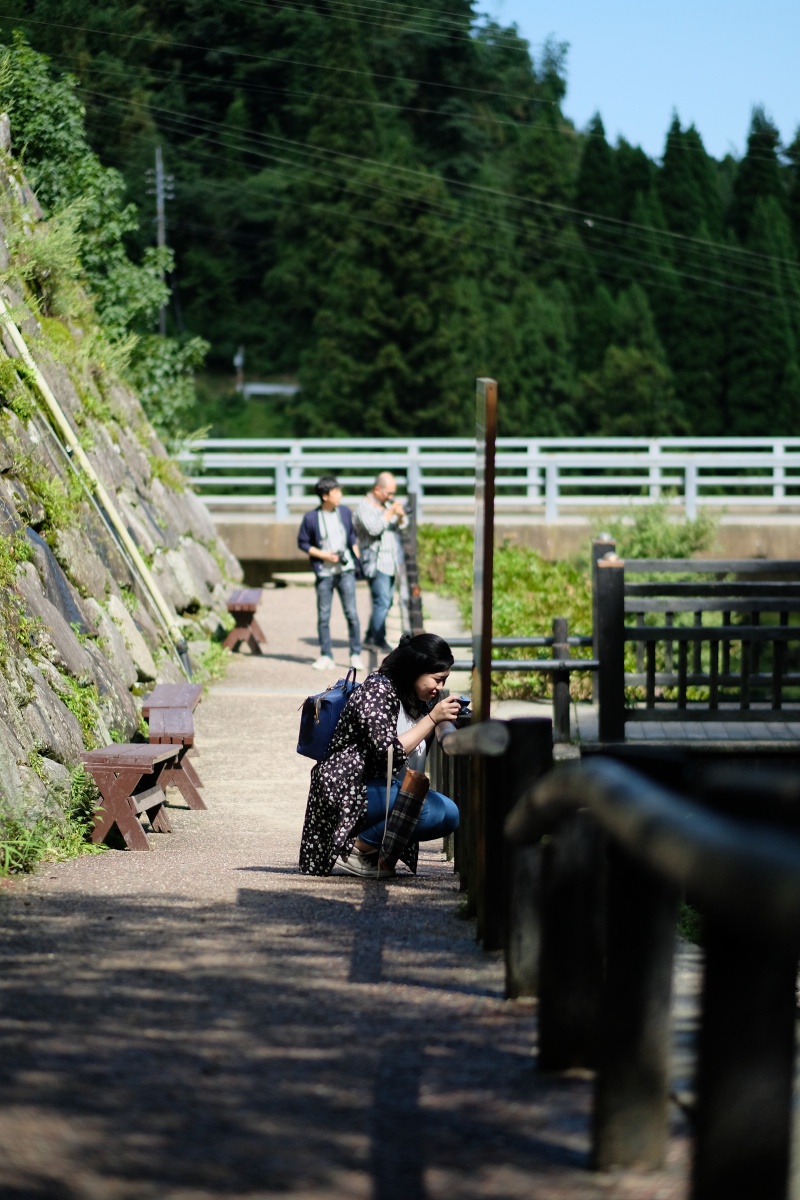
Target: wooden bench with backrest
{"type": "Point", "coordinates": [243, 604]}
{"type": "Point", "coordinates": [714, 658]}
{"type": "Point", "coordinates": [131, 780]}
{"type": "Point", "coordinates": [168, 711]}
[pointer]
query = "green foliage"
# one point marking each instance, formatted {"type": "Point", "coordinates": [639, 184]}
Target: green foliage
{"type": "Point", "coordinates": [162, 371]}
{"type": "Point", "coordinates": [83, 701]}
{"type": "Point", "coordinates": [387, 231]}
{"type": "Point", "coordinates": [15, 625]}
{"type": "Point", "coordinates": [77, 261]}
{"type": "Point", "coordinates": [650, 532]}
{"type": "Point", "coordinates": [52, 838]}
{"type": "Point", "coordinates": [528, 592]}
{"type": "Point", "coordinates": [690, 923]}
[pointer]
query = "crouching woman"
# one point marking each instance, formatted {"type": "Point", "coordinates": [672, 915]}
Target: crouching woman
{"type": "Point", "coordinates": [396, 712]}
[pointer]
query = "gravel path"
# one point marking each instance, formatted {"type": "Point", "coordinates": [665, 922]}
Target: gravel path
{"type": "Point", "coordinates": [203, 1021]}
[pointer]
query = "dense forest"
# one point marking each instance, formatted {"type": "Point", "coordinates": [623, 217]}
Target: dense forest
{"type": "Point", "coordinates": [384, 200]}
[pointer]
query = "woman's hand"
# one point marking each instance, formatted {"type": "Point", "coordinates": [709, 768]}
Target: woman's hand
{"type": "Point", "coordinates": [447, 709]}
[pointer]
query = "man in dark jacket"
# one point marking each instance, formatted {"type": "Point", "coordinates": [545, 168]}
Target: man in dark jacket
{"type": "Point", "coordinates": [327, 536]}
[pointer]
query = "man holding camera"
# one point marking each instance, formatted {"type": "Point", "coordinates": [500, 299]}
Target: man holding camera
{"type": "Point", "coordinates": [328, 538]}
{"type": "Point", "coordinates": [378, 519]}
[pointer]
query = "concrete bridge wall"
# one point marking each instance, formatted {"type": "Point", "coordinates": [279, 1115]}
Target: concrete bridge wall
{"type": "Point", "coordinates": [264, 545]}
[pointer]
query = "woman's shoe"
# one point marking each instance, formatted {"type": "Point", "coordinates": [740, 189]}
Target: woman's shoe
{"type": "Point", "coordinates": [366, 865]}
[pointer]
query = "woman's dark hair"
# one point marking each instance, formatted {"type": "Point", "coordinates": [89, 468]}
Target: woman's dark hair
{"type": "Point", "coordinates": [423, 654]}
{"type": "Point", "coordinates": [325, 484]}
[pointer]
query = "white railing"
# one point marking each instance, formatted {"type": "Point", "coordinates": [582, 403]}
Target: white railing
{"type": "Point", "coordinates": [536, 476]}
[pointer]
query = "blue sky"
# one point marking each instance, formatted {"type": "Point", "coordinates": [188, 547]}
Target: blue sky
{"type": "Point", "coordinates": [635, 61]}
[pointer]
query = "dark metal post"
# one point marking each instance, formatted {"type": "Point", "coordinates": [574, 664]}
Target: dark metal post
{"type": "Point", "coordinates": [572, 933]}
{"type": "Point", "coordinates": [560, 682]}
{"type": "Point", "coordinates": [632, 1087]}
{"type": "Point", "coordinates": [532, 756]}
{"type": "Point", "coordinates": [529, 755]}
{"type": "Point", "coordinates": [609, 637]}
{"type": "Point", "coordinates": [746, 1057]}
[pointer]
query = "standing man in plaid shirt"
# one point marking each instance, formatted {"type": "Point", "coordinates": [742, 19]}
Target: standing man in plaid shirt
{"type": "Point", "coordinates": [378, 519]}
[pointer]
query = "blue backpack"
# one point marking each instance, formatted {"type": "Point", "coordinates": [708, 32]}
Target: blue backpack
{"type": "Point", "coordinates": [319, 716]}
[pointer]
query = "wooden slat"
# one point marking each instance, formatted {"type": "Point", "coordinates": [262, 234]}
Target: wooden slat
{"type": "Point", "coordinates": [690, 604]}
{"type": "Point", "coordinates": [172, 725]}
{"type": "Point", "coordinates": [683, 654]}
{"type": "Point", "coordinates": [669, 716]}
{"type": "Point", "coordinates": [740, 590]}
{"type": "Point", "coordinates": [738, 566]}
{"type": "Point", "coordinates": [650, 675]}
{"type": "Point", "coordinates": [732, 633]}
{"type": "Point", "coordinates": [142, 755]}
{"type": "Point", "coordinates": [173, 695]}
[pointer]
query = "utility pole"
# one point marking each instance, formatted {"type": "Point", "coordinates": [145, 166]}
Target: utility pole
{"type": "Point", "coordinates": [164, 191]}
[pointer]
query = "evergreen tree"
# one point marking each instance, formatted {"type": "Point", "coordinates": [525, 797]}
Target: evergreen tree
{"type": "Point", "coordinates": [758, 176]}
{"type": "Point", "coordinates": [762, 349]}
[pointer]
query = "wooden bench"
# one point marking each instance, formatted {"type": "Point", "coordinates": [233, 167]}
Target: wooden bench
{"type": "Point", "coordinates": [168, 710]}
{"type": "Point", "coordinates": [131, 779]}
{"type": "Point", "coordinates": [243, 603]}
{"type": "Point", "coordinates": [712, 658]}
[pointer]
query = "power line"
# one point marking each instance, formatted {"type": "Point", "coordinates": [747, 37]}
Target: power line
{"type": "Point", "coordinates": [585, 217]}
{"type": "Point", "coordinates": [270, 58]}
{"type": "Point", "coordinates": [648, 264]}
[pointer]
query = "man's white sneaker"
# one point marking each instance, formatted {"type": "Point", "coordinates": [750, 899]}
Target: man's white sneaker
{"type": "Point", "coordinates": [357, 662]}
{"type": "Point", "coordinates": [323, 663]}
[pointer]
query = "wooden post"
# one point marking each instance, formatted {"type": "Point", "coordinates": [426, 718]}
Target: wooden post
{"type": "Point", "coordinates": [483, 567]}
{"type": "Point", "coordinates": [631, 1106]}
{"type": "Point", "coordinates": [531, 757]}
{"type": "Point", "coordinates": [572, 945]}
{"type": "Point", "coordinates": [560, 682]}
{"type": "Point", "coordinates": [483, 558]}
{"type": "Point", "coordinates": [610, 647]}
{"type": "Point", "coordinates": [601, 545]}
{"type": "Point", "coordinates": [746, 1054]}
{"type": "Point", "coordinates": [408, 539]}
{"type": "Point", "coordinates": [461, 771]}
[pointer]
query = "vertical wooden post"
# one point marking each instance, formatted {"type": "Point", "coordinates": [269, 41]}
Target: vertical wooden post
{"type": "Point", "coordinates": [560, 682]}
{"type": "Point", "coordinates": [746, 1055]}
{"type": "Point", "coordinates": [631, 1106]}
{"type": "Point", "coordinates": [531, 752]}
{"type": "Point", "coordinates": [483, 568]}
{"type": "Point", "coordinates": [408, 539]}
{"type": "Point", "coordinates": [572, 944]}
{"type": "Point", "coordinates": [601, 545]}
{"type": "Point", "coordinates": [610, 647]}
{"type": "Point", "coordinates": [483, 558]}
{"type": "Point", "coordinates": [529, 755]}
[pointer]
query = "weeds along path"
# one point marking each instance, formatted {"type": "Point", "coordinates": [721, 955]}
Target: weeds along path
{"type": "Point", "coordinates": [202, 1021]}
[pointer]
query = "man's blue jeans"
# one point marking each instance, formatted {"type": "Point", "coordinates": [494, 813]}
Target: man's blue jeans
{"type": "Point", "coordinates": [439, 816]}
{"type": "Point", "coordinates": [345, 584]}
{"type": "Point", "coordinates": [382, 589]}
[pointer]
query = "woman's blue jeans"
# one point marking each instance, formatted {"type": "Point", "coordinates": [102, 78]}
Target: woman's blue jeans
{"type": "Point", "coordinates": [439, 816]}
{"type": "Point", "coordinates": [345, 584]}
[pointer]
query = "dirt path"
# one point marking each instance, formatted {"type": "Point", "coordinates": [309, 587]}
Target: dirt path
{"type": "Point", "coordinates": [203, 1021]}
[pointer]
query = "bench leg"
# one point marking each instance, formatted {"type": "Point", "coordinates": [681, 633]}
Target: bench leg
{"type": "Point", "coordinates": [112, 813]}
{"type": "Point", "coordinates": [117, 789]}
{"type": "Point", "coordinates": [177, 777]}
{"type": "Point", "coordinates": [190, 773]}
{"type": "Point", "coordinates": [159, 819]}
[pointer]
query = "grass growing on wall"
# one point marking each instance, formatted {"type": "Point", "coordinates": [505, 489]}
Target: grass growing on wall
{"type": "Point", "coordinates": [52, 839]}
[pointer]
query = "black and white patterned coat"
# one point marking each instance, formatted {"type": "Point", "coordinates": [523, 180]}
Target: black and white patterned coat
{"type": "Point", "coordinates": [337, 798]}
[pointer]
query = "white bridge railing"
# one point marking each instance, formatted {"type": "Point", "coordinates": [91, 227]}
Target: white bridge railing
{"type": "Point", "coordinates": [535, 476]}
